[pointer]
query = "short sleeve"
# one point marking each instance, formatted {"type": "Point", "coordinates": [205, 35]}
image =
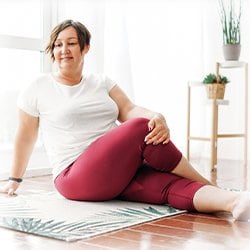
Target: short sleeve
{"type": "Point", "coordinates": [27, 100]}
{"type": "Point", "coordinates": [109, 83]}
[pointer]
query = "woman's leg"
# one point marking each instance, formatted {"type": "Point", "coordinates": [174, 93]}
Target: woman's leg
{"type": "Point", "coordinates": [107, 166]}
{"type": "Point", "coordinates": [210, 199]}
{"type": "Point", "coordinates": [156, 187]}
{"type": "Point", "coordinates": [185, 169]}
{"type": "Point", "coordinates": [160, 158]}
{"type": "Point", "coordinates": [152, 186]}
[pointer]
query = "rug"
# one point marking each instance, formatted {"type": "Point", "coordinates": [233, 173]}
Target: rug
{"type": "Point", "coordinates": [51, 215]}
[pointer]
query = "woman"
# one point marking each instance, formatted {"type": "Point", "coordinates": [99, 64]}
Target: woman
{"type": "Point", "coordinates": [93, 158]}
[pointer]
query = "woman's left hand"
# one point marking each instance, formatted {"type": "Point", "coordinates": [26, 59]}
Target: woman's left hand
{"type": "Point", "coordinates": [159, 131]}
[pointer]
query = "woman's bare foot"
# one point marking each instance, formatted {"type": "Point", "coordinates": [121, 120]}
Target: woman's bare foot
{"type": "Point", "coordinates": [241, 210]}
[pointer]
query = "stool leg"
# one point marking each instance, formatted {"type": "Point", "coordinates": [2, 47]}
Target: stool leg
{"type": "Point", "coordinates": [188, 124]}
{"type": "Point", "coordinates": [214, 135]}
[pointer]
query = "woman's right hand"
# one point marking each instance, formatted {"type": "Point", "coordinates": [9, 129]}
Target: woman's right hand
{"type": "Point", "coordinates": [9, 188]}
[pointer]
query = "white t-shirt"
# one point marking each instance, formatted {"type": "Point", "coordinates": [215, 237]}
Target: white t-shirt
{"type": "Point", "coordinates": [70, 117]}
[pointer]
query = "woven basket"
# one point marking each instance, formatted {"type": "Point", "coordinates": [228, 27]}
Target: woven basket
{"type": "Point", "coordinates": [215, 91]}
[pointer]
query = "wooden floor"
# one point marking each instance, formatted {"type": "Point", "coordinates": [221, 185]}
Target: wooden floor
{"type": "Point", "coordinates": [185, 231]}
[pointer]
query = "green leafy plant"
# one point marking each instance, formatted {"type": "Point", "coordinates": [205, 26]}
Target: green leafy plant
{"type": "Point", "coordinates": [230, 14]}
{"type": "Point", "coordinates": [212, 78]}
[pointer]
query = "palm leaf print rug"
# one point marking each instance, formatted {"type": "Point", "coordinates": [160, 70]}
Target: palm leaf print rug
{"type": "Point", "coordinates": [51, 215]}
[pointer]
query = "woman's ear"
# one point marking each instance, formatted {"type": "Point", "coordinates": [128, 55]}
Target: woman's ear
{"type": "Point", "coordinates": [86, 49]}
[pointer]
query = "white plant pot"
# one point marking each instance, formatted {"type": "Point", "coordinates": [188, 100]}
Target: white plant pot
{"type": "Point", "coordinates": [231, 52]}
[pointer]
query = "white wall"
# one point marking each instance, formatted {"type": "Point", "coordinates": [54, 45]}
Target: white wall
{"type": "Point", "coordinates": [152, 48]}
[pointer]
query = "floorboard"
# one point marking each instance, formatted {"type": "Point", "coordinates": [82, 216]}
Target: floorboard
{"type": "Point", "coordinates": [184, 231]}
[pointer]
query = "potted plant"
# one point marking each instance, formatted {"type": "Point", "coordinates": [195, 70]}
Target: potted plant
{"type": "Point", "coordinates": [215, 85]}
{"type": "Point", "coordinates": [230, 14]}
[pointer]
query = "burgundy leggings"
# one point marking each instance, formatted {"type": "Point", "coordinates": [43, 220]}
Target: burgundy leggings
{"type": "Point", "coordinates": [121, 165]}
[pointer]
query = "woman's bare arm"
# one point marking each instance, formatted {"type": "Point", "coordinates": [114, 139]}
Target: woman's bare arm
{"type": "Point", "coordinates": [24, 143]}
{"type": "Point", "coordinates": [158, 129]}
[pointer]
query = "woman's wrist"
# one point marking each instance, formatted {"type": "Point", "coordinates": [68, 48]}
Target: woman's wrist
{"type": "Point", "coordinates": [19, 180]}
{"type": "Point", "coordinates": [160, 116]}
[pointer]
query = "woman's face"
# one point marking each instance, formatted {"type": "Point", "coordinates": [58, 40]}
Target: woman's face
{"type": "Point", "coordinates": [67, 50]}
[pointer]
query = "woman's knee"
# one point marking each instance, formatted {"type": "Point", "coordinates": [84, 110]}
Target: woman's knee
{"type": "Point", "coordinates": [135, 129]}
{"type": "Point", "coordinates": [139, 121]}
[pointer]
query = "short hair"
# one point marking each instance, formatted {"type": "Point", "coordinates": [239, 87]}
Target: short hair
{"type": "Point", "coordinates": [82, 33]}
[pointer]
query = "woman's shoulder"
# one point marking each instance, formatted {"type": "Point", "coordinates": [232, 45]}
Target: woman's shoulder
{"type": "Point", "coordinates": [100, 79]}
{"type": "Point", "coordinates": [39, 81]}
{"type": "Point", "coordinates": [37, 84]}
{"type": "Point", "coordinates": [96, 77]}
